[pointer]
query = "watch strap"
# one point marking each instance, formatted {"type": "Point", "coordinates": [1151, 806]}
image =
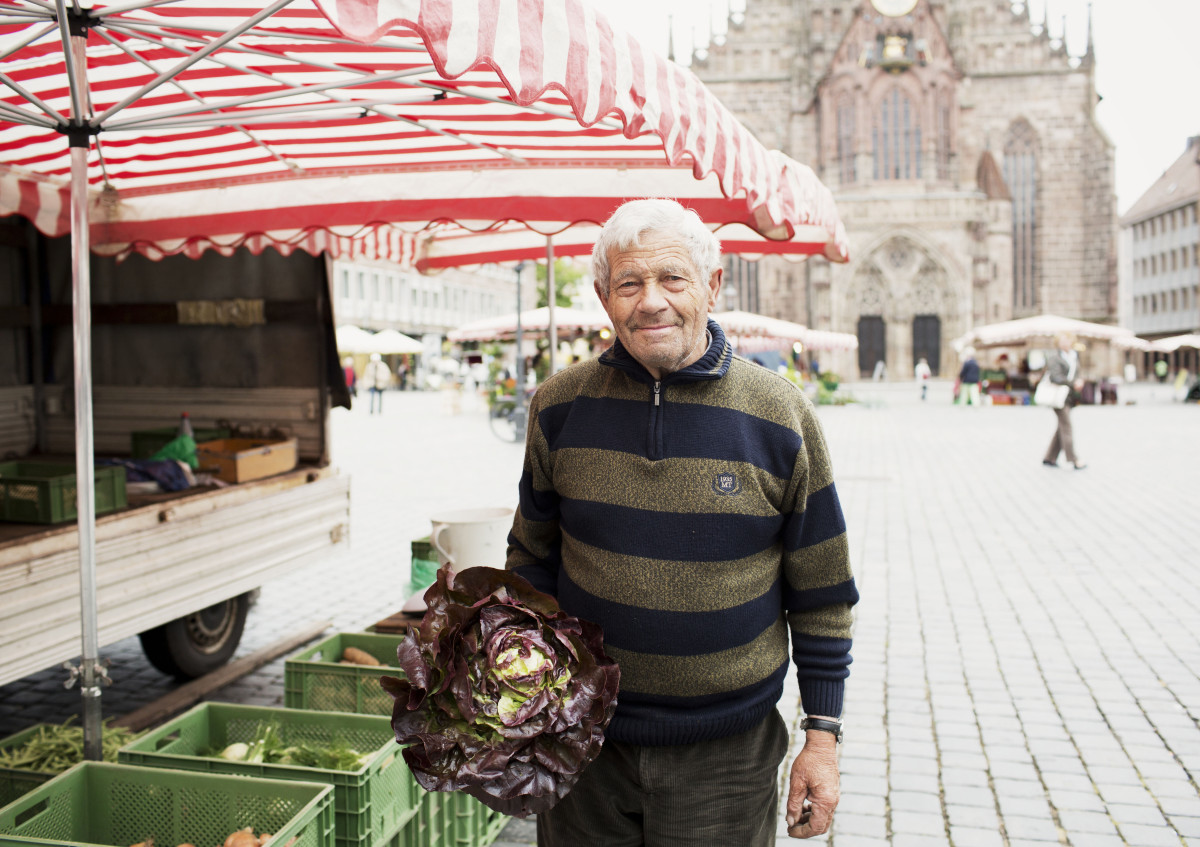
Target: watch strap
{"type": "Point", "coordinates": [832, 727]}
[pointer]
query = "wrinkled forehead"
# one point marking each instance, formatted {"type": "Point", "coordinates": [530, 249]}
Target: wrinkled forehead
{"type": "Point", "coordinates": [661, 251]}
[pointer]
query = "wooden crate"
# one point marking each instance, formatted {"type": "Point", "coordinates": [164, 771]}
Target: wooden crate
{"type": "Point", "coordinates": [244, 459]}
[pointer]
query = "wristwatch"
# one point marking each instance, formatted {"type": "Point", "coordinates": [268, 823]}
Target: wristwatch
{"type": "Point", "coordinates": [833, 727]}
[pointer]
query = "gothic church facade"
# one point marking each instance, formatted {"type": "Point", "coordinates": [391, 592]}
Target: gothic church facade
{"type": "Point", "coordinates": [961, 143]}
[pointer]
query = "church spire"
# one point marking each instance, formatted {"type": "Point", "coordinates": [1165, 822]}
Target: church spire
{"type": "Point", "coordinates": [670, 38]}
{"type": "Point", "coordinates": [1090, 55]}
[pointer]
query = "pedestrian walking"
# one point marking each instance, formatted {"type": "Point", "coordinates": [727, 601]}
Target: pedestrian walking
{"type": "Point", "coordinates": [670, 485]}
{"type": "Point", "coordinates": [378, 377]}
{"type": "Point", "coordinates": [350, 376]}
{"type": "Point", "coordinates": [923, 373]}
{"type": "Point", "coordinates": [968, 380]}
{"type": "Point", "coordinates": [1062, 369]}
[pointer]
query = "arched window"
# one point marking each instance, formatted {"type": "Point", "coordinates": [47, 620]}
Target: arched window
{"type": "Point", "coordinates": [845, 138]}
{"type": "Point", "coordinates": [1020, 172]}
{"type": "Point", "coordinates": [896, 138]}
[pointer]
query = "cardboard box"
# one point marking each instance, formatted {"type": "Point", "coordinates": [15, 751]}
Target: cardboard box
{"type": "Point", "coordinates": [244, 459]}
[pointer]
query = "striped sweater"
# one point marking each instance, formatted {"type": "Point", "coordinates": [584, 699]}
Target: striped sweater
{"type": "Point", "coordinates": [695, 519]}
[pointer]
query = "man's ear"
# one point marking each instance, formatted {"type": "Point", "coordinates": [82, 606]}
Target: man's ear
{"type": "Point", "coordinates": [600, 293]}
{"type": "Point", "coordinates": [714, 288]}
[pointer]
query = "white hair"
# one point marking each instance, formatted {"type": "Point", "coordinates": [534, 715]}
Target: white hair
{"type": "Point", "coordinates": [624, 230]}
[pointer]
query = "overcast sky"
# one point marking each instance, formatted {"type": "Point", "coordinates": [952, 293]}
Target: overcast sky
{"type": "Point", "coordinates": [1148, 67]}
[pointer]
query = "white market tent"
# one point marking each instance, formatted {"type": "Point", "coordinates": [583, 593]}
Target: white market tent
{"type": "Point", "coordinates": [353, 339]}
{"type": "Point", "coordinates": [1038, 327]}
{"type": "Point", "coordinates": [337, 126]}
{"type": "Point", "coordinates": [1175, 342]}
{"type": "Point", "coordinates": [534, 322]}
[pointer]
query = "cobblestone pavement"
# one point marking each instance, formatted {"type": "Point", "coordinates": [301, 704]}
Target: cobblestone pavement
{"type": "Point", "coordinates": [1027, 648]}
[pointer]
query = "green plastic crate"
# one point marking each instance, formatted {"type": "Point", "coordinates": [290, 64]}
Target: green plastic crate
{"type": "Point", "coordinates": [106, 804]}
{"type": "Point", "coordinates": [370, 803]}
{"type": "Point", "coordinates": [314, 679]}
{"type": "Point", "coordinates": [144, 443]}
{"type": "Point", "coordinates": [432, 826]}
{"type": "Point", "coordinates": [16, 782]}
{"type": "Point", "coordinates": [475, 825]}
{"type": "Point", "coordinates": [45, 492]}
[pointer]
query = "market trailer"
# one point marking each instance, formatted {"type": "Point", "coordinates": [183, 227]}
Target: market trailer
{"type": "Point", "coordinates": [244, 342]}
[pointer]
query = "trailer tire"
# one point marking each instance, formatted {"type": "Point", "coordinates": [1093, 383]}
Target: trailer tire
{"type": "Point", "coordinates": [199, 643]}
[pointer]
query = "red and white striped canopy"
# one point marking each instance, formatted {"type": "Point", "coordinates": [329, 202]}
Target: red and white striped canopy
{"type": "Point", "coordinates": [347, 125]}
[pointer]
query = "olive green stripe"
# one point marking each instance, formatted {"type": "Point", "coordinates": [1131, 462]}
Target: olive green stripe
{"type": "Point", "coordinates": [604, 476]}
{"type": "Point", "coordinates": [819, 566]}
{"type": "Point", "coordinates": [834, 621]}
{"type": "Point", "coordinates": [711, 673]}
{"type": "Point", "coordinates": [540, 538]}
{"type": "Point", "coordinates": [673, 586]}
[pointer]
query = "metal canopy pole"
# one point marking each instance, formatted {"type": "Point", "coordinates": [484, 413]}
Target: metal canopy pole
{"type": "Point", "coordinates": [550, 298]}
{"type": "Point", "coordinates": [519, 411]}
{"type": "Point", "coordinates": [89, 671]}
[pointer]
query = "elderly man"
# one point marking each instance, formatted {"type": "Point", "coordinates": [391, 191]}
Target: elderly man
{"type": "Point", "coordinates": [682, 498]}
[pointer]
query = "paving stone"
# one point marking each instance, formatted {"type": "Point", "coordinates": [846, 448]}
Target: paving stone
{"type": "Point", "coordinates": [1086, 822]}
{"type": "Point", "coordinates": [1032, 829]}
{"type": "Point", "coordinates": [970, 795]}
{"type": "Point", "coordinates": [1189, 827]}
{"type": "Point", "coordinates": [920, 823]}
{"type": "Point", "coordinates": [1138, 835]}
{"type": "Point", "coordinates": [978, 817]}
{"type": "Point", "coordinates": [968, 837]}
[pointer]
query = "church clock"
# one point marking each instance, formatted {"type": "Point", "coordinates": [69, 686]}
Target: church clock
{"type": "Point", "coordinates": [894, 8]}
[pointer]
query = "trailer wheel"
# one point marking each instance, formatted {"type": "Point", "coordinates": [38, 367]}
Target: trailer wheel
{"type": "Point", "coordinates": [199, 643]}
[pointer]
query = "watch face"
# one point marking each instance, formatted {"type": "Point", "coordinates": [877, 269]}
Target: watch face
{"type": "Point", "coordinates": [893, 8]}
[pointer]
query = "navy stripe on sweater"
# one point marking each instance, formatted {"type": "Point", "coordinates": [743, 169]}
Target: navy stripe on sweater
{"type": "Point", "coordinates": [668, 633]}
{"type": "Point", "coordinates": [668, 535]}
{"type": "Point", "coordinates": [692, 430]}
{"type": "Point", "coordinates": [536, 505]}
{"type": "Point", "coordinates": [818, 598]}
{"type": "Point", "coordinates": [821, 520]}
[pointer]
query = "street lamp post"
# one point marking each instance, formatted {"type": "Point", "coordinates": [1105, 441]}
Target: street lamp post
{"type": "Point", "coordinates": [519, 411]}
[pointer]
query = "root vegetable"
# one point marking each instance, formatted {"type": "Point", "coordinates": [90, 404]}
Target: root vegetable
{"type": "Point", "coordinates": [242, 838]}
{"type": "Point", "coordinates": [358, 657]}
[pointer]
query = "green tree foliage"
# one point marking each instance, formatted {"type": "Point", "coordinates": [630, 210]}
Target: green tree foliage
{"type": "Point", "coordinates": [566, 283]}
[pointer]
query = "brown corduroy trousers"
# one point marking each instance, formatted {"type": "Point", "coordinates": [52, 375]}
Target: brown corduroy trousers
{"type": "Point", "coordinates": [721, 792]}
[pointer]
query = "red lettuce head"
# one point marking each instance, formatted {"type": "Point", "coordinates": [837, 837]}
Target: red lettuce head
{"type": "Point", "coordinates": [505, 696]}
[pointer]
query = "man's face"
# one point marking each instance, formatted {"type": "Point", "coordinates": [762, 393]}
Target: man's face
{"type": "Point", "coordinates": [658, 302]}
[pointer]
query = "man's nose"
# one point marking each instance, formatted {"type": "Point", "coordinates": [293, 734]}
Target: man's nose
{"type": "Point", "coordinates": [653, 297]}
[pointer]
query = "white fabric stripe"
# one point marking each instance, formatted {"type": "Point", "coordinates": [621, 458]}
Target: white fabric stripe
{"type": "Point", "coordinates": [591, 100]}
{"type": "Point", "coordinates": [462, 43]}
{"type": "Point", "coordinates": [554, 41]}
{"type": "Point", "coordinates": [508, 43]}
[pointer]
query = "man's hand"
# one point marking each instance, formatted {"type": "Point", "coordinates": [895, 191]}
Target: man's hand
{"type": "Point", "coordinates": [814, 789]}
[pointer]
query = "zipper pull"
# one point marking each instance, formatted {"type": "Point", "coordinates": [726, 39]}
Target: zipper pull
{"type": "Point", "coordinates": [657, 391]}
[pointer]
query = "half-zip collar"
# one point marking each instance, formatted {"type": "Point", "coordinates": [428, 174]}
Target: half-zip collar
{"type": "Point", "coordinates": [714, 364]}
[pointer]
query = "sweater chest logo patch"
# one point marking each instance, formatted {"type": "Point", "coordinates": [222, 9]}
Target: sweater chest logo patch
{"type": "Point", "coordinates": [726, 484]}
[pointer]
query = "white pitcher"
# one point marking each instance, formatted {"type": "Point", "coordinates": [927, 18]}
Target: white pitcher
{"type": "Point", "coordinates": [468, 538]}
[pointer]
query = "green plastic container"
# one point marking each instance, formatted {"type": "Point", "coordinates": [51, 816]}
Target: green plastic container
{"type": "Point", "coordinates": [475, 825]}
{"type": "Point", "coordinates": [106, 804]}
{"type": "Point", "coordinates": [424, 567]}
{"type": "Point", "coordinates": [371, 804]}
{"type": "Point", "coordinates": [314, 679]}
{"type": "Point", "coordinates": [433, 825]}
{"type": "Point", "coordinates": [16, 782]}
{"type": "Point", "coordinates": [144, 443]}
{"type": "Point", "coordinates": [45, 492]}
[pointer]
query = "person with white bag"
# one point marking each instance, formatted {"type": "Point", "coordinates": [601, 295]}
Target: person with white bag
{"type": "Point", "coordinates": [1062, 369]}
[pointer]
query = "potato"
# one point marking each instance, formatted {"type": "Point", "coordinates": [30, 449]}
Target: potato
{"type": "Point", "coordinates": [242, 838]}
{"type": "Point", "coordinates": [358, 657]}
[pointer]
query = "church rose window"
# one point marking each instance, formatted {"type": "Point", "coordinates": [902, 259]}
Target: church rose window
{"type": "Point", "coordinates": [896, 138]}
{"type": "Point", "coordinates": [1020, 173]}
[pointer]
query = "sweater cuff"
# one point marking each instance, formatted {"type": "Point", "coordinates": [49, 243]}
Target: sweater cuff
{"type": "Point", "coordinates": [822, 696]}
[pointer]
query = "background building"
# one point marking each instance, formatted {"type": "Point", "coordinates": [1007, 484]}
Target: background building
{"type": "Point", "coordinates": [1160, 249]}
{"type": "Point", "coordinates": [961, 144]}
